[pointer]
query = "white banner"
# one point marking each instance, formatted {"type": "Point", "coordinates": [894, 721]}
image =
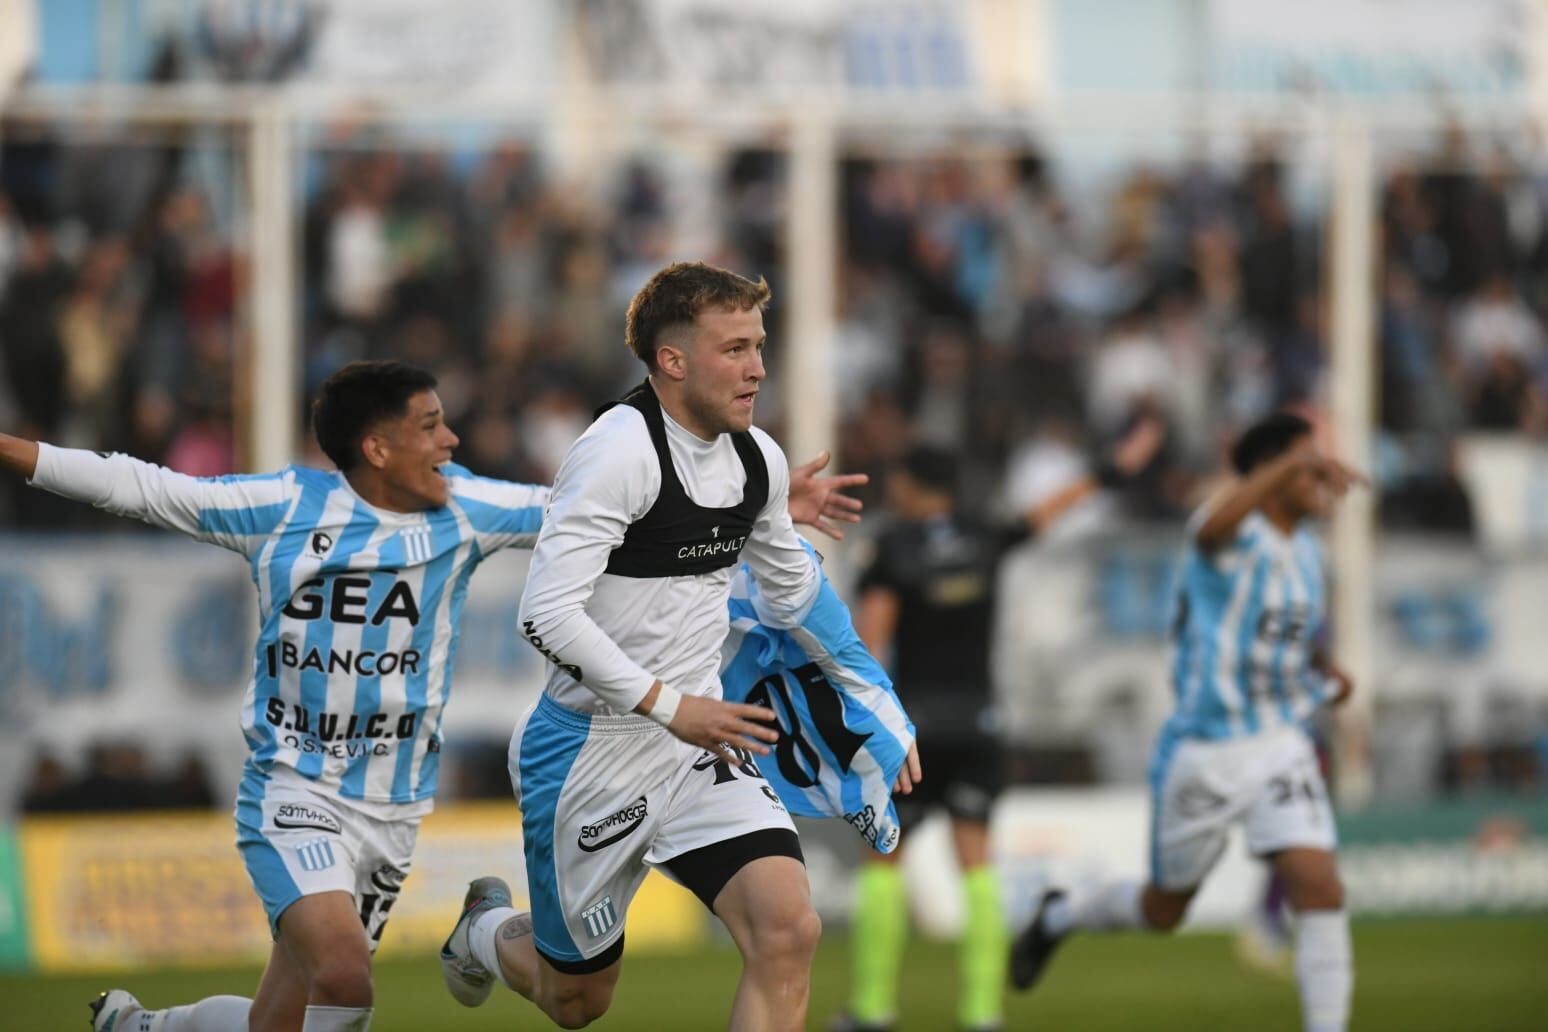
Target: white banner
{"type": "Point", "coordinates": [1426, 50]}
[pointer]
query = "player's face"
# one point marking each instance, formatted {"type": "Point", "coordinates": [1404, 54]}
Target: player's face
{"type": "Point", "coordinates": [723, 367]}
{"type": "Point", "coordinates": [1309, 494]}
{"type": "Point", "coordinates": [416, 446]}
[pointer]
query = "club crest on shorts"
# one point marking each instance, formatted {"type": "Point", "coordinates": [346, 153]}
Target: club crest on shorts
{"type": "Point", "coordinates": [315, 855]}
{"type": "Point", "coordinates": [599, 917]}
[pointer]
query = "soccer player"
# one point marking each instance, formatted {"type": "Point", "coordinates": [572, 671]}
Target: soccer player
{"type": "Point", "coordinates": [1247, 674]}
{"type": "Point", "coordinates": [631, 759]}
{"type": "Point", "coordinates": [927, 600]}
{"type": "Point", "coordinates": [361, 576]}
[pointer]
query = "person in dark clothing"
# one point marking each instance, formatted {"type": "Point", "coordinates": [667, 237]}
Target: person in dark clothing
{"type": "Point", "coordinates": [927, 600]}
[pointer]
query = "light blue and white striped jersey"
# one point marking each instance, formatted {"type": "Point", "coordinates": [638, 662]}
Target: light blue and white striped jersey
{"type": "Point", "coordinates": [359, 607]}
{"type": "Point", "coordinates": [1247, 617]}
{"type": "Point", "coordinates": [844, 734]}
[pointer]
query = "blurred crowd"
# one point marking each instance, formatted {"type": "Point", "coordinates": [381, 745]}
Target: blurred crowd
{"type": "Point", "coordinates": [113, 775]}
{"type": "Point", "coordinates": [984, 304]}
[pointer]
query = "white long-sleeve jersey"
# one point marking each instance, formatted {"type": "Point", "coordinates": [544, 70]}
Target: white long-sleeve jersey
{"type": "Point", "coordinates": [359, 607]}
{"type": "Point", "coordinates": [609, 637]}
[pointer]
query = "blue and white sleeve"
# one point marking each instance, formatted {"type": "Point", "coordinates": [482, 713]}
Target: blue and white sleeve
{"type": "Point", "coordinates": [235, 512]}
{"type": "Point", "coordinates": [503, 513]}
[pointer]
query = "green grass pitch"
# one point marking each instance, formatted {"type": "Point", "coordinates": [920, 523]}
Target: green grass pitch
{"type": "Point", "coordinates": [1476, 974]}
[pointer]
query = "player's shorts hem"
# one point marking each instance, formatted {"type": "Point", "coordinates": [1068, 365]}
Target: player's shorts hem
{"type": "Point", "coordinates": [706, 870]}
{"type": "Point", "coordinates": [585, 965]}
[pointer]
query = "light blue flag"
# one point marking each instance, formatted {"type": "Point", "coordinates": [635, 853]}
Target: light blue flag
{"type": "Point", "coordinates": [844, 735]}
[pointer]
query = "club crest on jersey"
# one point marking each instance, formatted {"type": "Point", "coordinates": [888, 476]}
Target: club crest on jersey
{"type": "Point", "coordinates": [321, 543]}
{"type": "Point", "coordinates": [417, 544]}
{"type": "Point", "coordinates": [599, 917]}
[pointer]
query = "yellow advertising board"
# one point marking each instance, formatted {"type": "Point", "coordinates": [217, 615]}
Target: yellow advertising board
{"type": "Point", "coordinates": [168, 889]}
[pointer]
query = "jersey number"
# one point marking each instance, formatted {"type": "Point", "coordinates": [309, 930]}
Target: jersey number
{"type": "Point", "coordinates": [798, 759]}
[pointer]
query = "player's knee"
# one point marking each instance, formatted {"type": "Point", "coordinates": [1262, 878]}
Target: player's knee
{"type": "Point", "coordinates": [1325, 892]}
{"type": "Point", "coordinates": [787, 937]}
{"type": "Point", "coordinates": [343, 982]}
{"type": "Point", "coordinates": [576, 1006]}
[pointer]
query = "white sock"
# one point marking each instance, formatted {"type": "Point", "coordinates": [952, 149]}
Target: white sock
{"type": "Point", "coordinates": [336, 1019]}
{"type": "Point", "coordinates": [1324, 969]}
{"type": "Point", "coordinates": [1112, 907]}
{"type": "Point", "coordinates": [481, 938]}
{"type": "Point", "coordinates": [212, 1014]}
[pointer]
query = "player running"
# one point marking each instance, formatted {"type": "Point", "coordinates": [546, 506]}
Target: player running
{"type": "Point", "coordinates": [1247, 674]}
{"type": "Point", "coordinates": [361, 576]}
{"type": "Point", "coordinates": [631, 759]}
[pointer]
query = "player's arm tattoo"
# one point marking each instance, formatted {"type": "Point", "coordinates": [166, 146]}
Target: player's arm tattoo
{"type": "Point", "coordinates": [517, 927]}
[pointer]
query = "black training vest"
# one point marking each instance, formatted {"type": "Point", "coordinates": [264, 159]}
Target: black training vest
{"type": "Point", "coordinates": [678, 538]}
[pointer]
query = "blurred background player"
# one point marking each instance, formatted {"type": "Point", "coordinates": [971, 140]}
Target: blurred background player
{"type": "Point", "coordinates": [927, 601]}
{"type": "Point", "coordinates": [1246, 677]}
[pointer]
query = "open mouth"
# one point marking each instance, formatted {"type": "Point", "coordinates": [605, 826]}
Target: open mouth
{"type": "Point", "coordinates": [748, 398]}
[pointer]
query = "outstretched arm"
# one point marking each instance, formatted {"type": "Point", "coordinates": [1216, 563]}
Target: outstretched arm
{"type": "Point", "coordinates": [233, 512]}
{"type": "Point", "coordinates": [1250, 492]}
{"type": "Point", "coordinates": [18, 455]}
{"type": "Point", "coordinates": [1132, 454]}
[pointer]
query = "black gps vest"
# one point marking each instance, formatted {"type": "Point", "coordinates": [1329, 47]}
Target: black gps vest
{"type": "Point", "coordinates": [678, 538]}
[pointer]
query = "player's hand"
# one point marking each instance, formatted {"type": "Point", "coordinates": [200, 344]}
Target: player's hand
{"type": "Point", "coordinates": [911, 774]}
{"type": "Point", "coordinates": [1339, 476]}
{"type": "Point", "coordinates": [1344, 685]}
{"type": "Point", "coordinates": [1139, 446]}
{"type": "Point", "coordinates": [816, 500]}
{"type": "Point", "coordinates": [720, 726]}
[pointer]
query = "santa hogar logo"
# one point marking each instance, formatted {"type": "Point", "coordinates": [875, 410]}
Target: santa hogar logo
{"type": "Point", "coordinates": [613, 827]}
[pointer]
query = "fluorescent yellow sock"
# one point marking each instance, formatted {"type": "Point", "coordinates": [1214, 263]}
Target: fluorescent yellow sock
{"type": "Point", "coordinates": [878, 934]}
{"type": "Point", "coordinates": [983, 951]}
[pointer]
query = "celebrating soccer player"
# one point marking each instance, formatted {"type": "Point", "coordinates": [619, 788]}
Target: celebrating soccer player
{"type": "Point", "coordinates": [1248, 673]}
{"type": "Point", "coordinates": [631, 759]}
{"type": "Point", "coordinates": [361, 577]}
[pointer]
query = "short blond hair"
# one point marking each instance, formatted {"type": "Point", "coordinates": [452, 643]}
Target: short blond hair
{"type": "Point", "coordinates": [676, 296]}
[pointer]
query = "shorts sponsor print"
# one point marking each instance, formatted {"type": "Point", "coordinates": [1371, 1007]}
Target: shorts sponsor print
{"type": "Point", "coordinates": [603, 799]}
{"type": "Point", "coordinates": [1270, 784]}
{"type": "Point", "coordinates": [296, 839]}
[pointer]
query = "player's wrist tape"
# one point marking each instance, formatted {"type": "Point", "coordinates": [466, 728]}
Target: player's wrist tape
{"type": "Point", "coordinates": [665, 707]}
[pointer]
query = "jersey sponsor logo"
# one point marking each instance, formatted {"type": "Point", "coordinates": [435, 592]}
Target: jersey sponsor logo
{"type": "Point", "coordinates": [599, 917]}
{"type": "Point", "coordinates": [343, 736]}
{"type": "Point", "coordinates": [714, 548]}
{"type": "Point", "coordinates": [864, 821]}
{"type": "Point", "coordinates": [322, 543]}
{"type": "Point", "coordinates": [553, 657]}
{"type": "Point", "coordinates": [364, 662]}
{"type": "Point", "coordinates": [316, 855]}
{"type": "Point", "coordinates": [347, 600]}
{"type": "Point", "coordinates": [299, 815]}
{"type": "Point", "coordinates": [621, 824]}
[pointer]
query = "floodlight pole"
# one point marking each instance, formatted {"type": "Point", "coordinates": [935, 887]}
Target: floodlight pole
{"type": "Point", "coordinates": [274, 394]}
{"type": "Point", "coordinates": [1352, 397]}
{"type": "Point", "coordinates": [807, 380]}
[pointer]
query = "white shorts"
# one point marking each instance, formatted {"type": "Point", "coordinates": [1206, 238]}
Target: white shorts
{"type": "Point", "coordinates": [605, 797]}
{"type": "Point", "coordinates": [297, 839]}
{"type": "Point", "coordinates": [1270, 783]}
